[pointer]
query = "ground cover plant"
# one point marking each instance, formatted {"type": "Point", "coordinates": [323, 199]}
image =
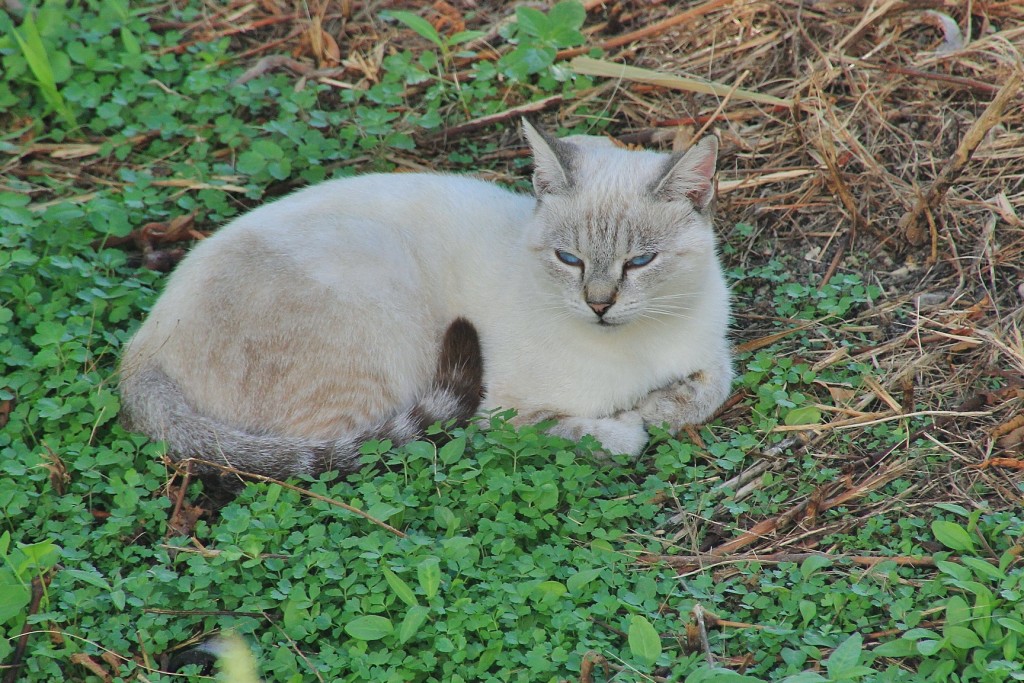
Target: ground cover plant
{"type": "Point", "coordinates": [853, 512]}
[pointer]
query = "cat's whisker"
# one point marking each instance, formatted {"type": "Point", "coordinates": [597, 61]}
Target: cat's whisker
{"type": "Point", "coordinates": [677, 295]}
{"type": "Point", "coordinates": [653, 318]}
{"type": "Point", "coordinates": [669, 314]}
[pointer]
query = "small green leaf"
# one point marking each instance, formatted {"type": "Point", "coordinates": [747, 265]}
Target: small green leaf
{"type": "Point", "coordinates": [845, 657]}
{"type": "Point", "coordinates": [896, 648]}
{"type": "Point", "coordinates": [805, 677]}
{"type": "Point", "coordinates": [984, 568]}
{"type": "Point", "coordinates": [957, 612]}
{"type": "Point", "coordinates": [952, 535]}
{"type": "Point", "coordinates": [445, 518]}
{"type": "Point", "coordinates": [464, 37]}
{"type": "Point", "coordinates": [547, 496]}
{"type": "Point", "coordinates": [531, 21]}
{"type": "Point", "coordinates": [250, 163]}
{"type": "Point", "coordinates": [549, 590]}
{"type": "Point", "coordinates": [563, 23]}
{"type": "Point", "coordinates": [429, 574]}
{"type": "Point", "coordinates": [808, 610]}
{"type": "Point", "coordinates": [1014, 625]}
{"type": "Point", "coordinates": [131, 43]}
{"type": "Point", "coordinates": [928, 648]}
{"type": "Point", "coordinates": [921, 634]}
{"type": "Point", "coordinates": [369, 627]}
{"type": "Point", "coordinates": [421, 450]}
{"type": "Point", "coordinates": [42, 555]}
{"type": "Point", "coordinates": [14, 597]}
{"type": "Point", "coordinates": [806, 415]}
{"type": "Point", "coordinates": [581, 578]}
{"type": "Point", "coordinates": [452, 452]}
{"type": "Point", "coordinates": [419, 25]}
{"type": "Point", "coordinates": [813, 563]}
{"type": "Point", "coordinates": [644, 641]}
{"type": "Point", "coordinates": [414, 619]}
{"type": "Point", "coordinates": [382, 511]}
{"type": "Point", "coordinates": [957, 571]}
{"type": "Point", "coordinates": [400, 587]}
{"type": "Point", "coordinates": [962, 637]}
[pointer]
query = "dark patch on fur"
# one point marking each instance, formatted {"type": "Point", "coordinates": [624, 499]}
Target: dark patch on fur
{"type": "Point", "coordinates": [460, 367]}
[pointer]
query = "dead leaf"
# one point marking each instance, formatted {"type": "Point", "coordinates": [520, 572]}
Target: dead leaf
{"type": "Point", "coordinates": [185, 516]}
{"type": "Point", "coordinates": [449, 21]}
{"type": "Point", "coordinates": [841, 395]}
{"type": "Point", "coordinates": [6, 406]}
{"type": "Point", "coordinates": [332, 53]}
{"type": "Point", "coordinates": [1012, 441]}
{"type": "Point", "coordinates": [82, 659]}
{"type": "Point", "coordinates": [59, 477]}
{"type": "Point", "coordinates": [1008, 463]}
{"type": "Point", "coordinates": [1012, 425]}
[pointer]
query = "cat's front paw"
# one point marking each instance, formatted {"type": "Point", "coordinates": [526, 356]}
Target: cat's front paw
{"type": "Point", "coordinates": [620, 434]}
{"type": "Point", "coordinates": [688, 400]}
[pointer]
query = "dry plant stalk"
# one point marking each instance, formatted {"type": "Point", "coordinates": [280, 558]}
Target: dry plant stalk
{"type": "Point", "coordinates": [588, 66]}
{"type": "Point", "coordinates": [917, 223]}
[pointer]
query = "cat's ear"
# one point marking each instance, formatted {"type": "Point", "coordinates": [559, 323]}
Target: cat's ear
{"type": "Point", "coordinates": [552, 161]}
{"type": "Point", "coordinates": [691, 175]}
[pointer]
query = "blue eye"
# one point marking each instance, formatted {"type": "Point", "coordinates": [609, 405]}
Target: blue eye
{"type": "Point", "coordinates": [640, 261]}
{"type": "Point", "coordinates": [568, 259]}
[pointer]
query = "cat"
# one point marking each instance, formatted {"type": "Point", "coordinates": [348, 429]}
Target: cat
{"type": "Point", "coordinates": [369, 307]}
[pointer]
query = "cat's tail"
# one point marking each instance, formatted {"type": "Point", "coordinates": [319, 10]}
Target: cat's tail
{"type": "Point", "coordinates": [153, 403]}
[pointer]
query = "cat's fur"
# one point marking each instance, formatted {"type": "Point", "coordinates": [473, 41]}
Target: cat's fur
{"type": "Point", "coordinates": [317, 321]}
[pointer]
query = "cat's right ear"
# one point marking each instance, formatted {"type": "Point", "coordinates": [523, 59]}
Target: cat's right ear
{"type": "Point", "coordinates": [552, 162]}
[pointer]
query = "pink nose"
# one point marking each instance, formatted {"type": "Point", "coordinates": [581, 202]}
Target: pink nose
{"type": "Point", "coordinates": [599, 307]}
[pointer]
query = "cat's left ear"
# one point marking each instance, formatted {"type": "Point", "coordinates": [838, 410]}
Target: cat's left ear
{"type": "Point", "coordinates": [691, 175]}
{"type": "Point", "coordinates": [552, 161]}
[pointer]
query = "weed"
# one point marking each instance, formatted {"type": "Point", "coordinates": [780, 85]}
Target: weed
{"type": "Point", "coordinates": [47, 67]}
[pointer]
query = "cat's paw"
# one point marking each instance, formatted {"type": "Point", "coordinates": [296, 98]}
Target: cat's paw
{"type": "Point", "coordinates": [621, 434]}
{"type": "Point", "coordinates": [688, 400]}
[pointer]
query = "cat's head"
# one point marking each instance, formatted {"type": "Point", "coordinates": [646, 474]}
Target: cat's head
{"type": "Point", "coordinates": [621, 235]}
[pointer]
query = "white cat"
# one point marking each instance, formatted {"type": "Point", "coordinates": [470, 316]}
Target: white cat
{"type": "Point", "coordinates": [338, 314]}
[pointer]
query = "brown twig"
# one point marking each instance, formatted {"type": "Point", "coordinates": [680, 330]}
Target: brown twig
{"type": "Point", "coordinates": [271, 62]}
{"type": "Point", "coordinates": [914, 224]}
{"type": "Point", "coordinates": [969, 83]}
{"type": "Point", "coordinates": [461, 129]}
{"type": "Point", "coordinates": [702, 630]}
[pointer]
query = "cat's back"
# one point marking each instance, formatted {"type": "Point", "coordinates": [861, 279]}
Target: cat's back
{"type": "Point", "coordinates": [381, 225]}
{"type": "Point", "coordinates": [390, 202]}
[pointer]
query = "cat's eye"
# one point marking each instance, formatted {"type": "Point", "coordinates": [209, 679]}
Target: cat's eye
{"type": "Point", "coordinates": [640, 261]}
{"type": "Point", "coordinates": [568, 258]}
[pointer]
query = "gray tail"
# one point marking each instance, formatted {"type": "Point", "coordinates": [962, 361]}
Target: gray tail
{"type": "Point", "coordinates": [153, 403]}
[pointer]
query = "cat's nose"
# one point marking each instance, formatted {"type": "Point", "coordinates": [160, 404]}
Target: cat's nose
{"type": "Point", "coordinates": [600, 307]}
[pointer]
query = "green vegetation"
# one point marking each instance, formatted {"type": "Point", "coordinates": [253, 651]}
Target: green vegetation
{"type": "Point", "coordinates": [520, 556]}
